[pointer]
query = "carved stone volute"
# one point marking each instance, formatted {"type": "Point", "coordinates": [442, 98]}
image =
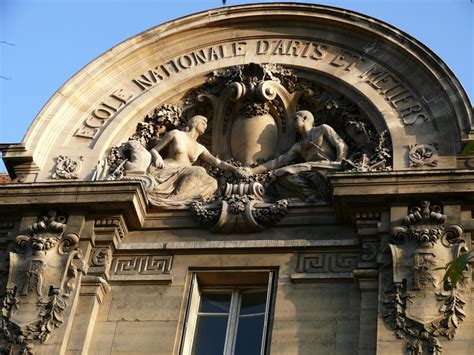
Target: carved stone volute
{"type": "Point", "coordinates": [40, 281]}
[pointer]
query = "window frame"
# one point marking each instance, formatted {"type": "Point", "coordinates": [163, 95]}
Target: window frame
{"type": "Point", "coordinates": [236, 291]}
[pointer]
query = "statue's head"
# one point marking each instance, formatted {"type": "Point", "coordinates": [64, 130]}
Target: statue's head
{"type": "Point", "coordinates": [303, 120]}
{"type": "Point", "coordinates": [199, 123]}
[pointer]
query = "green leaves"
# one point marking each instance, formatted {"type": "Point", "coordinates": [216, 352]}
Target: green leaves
{"type": "Point", "coordinates": [455, 269]}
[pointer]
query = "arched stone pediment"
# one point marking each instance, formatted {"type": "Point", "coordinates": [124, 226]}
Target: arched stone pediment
{"type": "Point", "coordinates": [395, 81]}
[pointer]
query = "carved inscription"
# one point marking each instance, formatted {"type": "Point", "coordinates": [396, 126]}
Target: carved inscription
{"type": "Point", "coordinates": [104, 112]}
{"type": "Point", "coordinates": [141, 265]}
{"type": "Point", "coordinates": [323, 56]}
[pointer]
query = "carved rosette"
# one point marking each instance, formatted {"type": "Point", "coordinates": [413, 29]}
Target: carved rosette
{"type": "Point", "coordinates": [40, 281]}
{"type": "Point", "coordinates": [241, 210]}
{"type": "Point", "coordinates": [419, 305]}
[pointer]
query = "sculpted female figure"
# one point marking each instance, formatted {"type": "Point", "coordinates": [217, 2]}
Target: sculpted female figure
{"type": "Point", "coordinates": [178, 180]}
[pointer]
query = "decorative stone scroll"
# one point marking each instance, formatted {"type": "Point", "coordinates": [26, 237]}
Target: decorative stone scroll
{"type": "Point", "coordinates": [419, 306]}
{"type": "Point", "coordinates": [40, 281]}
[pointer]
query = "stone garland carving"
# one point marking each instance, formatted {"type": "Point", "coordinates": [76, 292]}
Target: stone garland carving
{"type": "Point", "coordinates": [421, 155]}
{"type": "Point", "coordinates": [67, 168]}
{"type": "Point", "coordinates": [40, 276]}
{"type": "Point", "coordinates": [418, 305]}
{"type": "Point", "coordinates": [240, 210]}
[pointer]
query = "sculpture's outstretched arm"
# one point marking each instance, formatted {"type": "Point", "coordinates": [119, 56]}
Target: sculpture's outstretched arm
{"type": "Point", "coordinates": [283, 160]}
{"type": "Point", "coordinates": [207, 157]}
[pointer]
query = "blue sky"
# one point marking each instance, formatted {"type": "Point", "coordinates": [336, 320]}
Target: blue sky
{"type": "Point", "coordinates": [47, 41]}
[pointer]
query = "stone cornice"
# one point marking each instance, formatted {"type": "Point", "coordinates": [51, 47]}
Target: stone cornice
{"type": "Point", "coordinates": [403, 183]}
{"type": "Point", "coordinates": [352, 191]}
{"type": "Point", "coordinates": [99, 196]}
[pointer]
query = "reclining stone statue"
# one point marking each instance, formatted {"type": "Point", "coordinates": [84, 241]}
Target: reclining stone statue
{"type": "Point", "coordinates": [177, 181]}
{"type": "Point", "coordinates": [321, 150]}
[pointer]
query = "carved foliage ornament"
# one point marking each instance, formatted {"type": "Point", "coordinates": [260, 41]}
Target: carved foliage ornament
{"type": "Point", "coordinates": [67, 168]}
{"type": "Point", "coordinates": [40, 281]}
{"type": "Point", "coordinates": [421, 155]}
{"type": "Point", "coordinates": [419, 306]}
{"type": "Point", "coordinates": [240, 210]}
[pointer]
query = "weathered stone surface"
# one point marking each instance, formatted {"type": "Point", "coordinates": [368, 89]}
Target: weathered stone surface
{"type": "Point", "coordinates": [145, 303]}
{"type": "Point", "coordinates": [303, 337]}
{"type": "Point", "coordinates": [313, 302]}
{"type": "Point", "coordinates": [144, 338]}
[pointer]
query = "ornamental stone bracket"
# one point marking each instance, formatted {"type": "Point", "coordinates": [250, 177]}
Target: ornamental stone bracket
{"type": "Point", "coordinates": [45, 267]}
{"type": "Point", "coordinates": [108, 232]}
{"type": "Point", "coordinates": [418, 304]}
{"type": "Point", "coordinates": [241, 210]}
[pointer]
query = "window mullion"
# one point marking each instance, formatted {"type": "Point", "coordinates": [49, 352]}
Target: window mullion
{"type": "Point", "coordinates": [191, 316]}
{"type": "Point", "coordinates": [270, 286]}
{"type": "Point", "coordinates": [233, 323]}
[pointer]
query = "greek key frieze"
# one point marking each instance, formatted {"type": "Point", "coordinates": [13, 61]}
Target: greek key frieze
{"type": "Point", "coordinates": [326, 263]}
{"type": "Point", "coordinates": [141, 265]}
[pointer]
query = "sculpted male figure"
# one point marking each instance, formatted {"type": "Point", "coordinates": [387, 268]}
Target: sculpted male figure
{"type": "Point", "coordinates": [321, 149]}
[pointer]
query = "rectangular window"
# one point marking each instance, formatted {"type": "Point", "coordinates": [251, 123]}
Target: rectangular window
{"type": "Point", "coordinates": [228, 313]}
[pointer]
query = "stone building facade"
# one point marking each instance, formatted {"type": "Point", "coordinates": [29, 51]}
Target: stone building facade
{"type": "Point", "coordinates": [258, 179]}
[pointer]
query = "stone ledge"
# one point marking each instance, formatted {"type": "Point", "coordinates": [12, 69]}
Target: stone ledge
{"type": "Point", "coordinates": [321, 277]}
{"type": "Point", "coordinates": [141, 279]}
{"type": "Point", "coordinates": [244, 244]}
{"type": "Point", "coordinates": [94, 196]}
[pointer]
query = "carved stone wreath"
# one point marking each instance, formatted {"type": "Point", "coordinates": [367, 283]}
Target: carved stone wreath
{"type": "Point", "coordinates": [419, 306]}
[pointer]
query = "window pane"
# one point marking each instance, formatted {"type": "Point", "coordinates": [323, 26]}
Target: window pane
{"type": "Point", "coordinates": [215, 302]}
{"type": "Point", "coordinates": [210, 335]}
{"type": "Point", "coordinates": [253, 302]}
{"type": "Point", "coordinates": [249, 335]}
